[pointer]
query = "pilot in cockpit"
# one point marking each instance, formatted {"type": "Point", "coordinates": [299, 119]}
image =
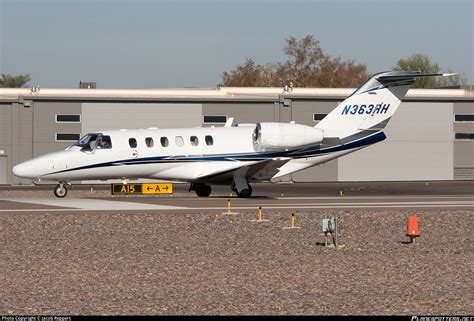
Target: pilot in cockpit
{"type": "Point", "coordinates": [104, 142]}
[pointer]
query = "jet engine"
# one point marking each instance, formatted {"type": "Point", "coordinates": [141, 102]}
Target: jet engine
{"type": "Point", "coordinates": [284, 136]}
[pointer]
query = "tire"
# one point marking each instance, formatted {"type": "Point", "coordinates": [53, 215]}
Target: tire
{"type": "Point", "coordinates": [60, 191]}
{"type": "Point", "coordinates": [245, 193]}
{"type": "Point", "coordinates": [202, 190]}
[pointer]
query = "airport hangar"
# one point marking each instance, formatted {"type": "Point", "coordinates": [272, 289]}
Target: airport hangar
{"type": "Point", "coordinates": [431, 137]}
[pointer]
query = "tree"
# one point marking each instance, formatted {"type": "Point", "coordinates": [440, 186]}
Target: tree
{"type": "Point", "coordinates": [306, 66]}
{"type": "Point", "coordinates": [423, 63]}
{"type": "Point", "coordinates": [249, 74]}
{"type": "Point", "coordinates": [10, 81]}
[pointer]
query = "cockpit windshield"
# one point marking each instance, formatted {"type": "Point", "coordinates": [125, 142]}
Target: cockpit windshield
{"type": "Point", "coordinates": [87, 142]}
{"type": "Point", "coordinates": [91, 142]}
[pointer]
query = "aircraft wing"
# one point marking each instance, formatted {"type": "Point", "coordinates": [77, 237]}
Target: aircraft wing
{"type": "Point", "coordinates": [266, 169]}
{"type": "Point", "coordinates": [261, 170]}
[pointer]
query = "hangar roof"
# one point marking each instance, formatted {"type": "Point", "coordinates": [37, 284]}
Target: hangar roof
{"type": "Point", "coordinates": [215, 94]}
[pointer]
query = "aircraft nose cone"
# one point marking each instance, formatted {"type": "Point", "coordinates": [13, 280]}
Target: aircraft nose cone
{"type": "Point", "coordinates": [19, 170]}
{"type": "Point", "coordinates": [24, 170]}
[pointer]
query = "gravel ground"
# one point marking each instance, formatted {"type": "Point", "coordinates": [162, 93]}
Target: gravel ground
{"type": "Point", "coordinates": [210, 263]}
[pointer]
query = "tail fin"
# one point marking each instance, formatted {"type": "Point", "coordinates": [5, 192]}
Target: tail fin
{"type": "Point", "coordinates": [372, 105]}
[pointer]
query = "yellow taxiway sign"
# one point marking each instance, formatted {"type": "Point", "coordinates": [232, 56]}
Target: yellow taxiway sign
{"type": "Point", "coordinates": [141, 189]}
{"type": "Point", "coordinates": [166, 188]}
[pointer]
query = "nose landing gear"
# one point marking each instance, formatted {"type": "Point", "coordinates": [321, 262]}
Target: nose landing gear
{"type": "Point", "coordinates": [60, 190]}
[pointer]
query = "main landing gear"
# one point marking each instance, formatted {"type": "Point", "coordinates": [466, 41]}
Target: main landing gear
{"type": "Point", "coordinates": [60, 190]}
{"type": "Point", "coordinates": [202, 190]}
{"type": "Point", "coordinates": [241, 187]}
{"type": "Point", "coordinates": [244, 193]}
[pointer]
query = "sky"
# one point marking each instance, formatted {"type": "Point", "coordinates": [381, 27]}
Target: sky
{"type": "Point", "coordinates": [185, 43]}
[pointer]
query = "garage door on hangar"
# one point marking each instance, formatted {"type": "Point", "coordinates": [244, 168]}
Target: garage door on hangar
{"type": "Point", "coordinates": [102, 116]}
{"type": "Point", "coordinates": [3, 169]}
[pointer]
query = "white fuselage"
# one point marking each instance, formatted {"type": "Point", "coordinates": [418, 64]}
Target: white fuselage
{"type": "Point", "coordinates": [181, 160]}
{"type": "Point", "coordinates": [228, 155]}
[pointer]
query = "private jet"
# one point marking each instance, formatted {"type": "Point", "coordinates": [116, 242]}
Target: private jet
{"type": "Point", "coordinates": [233, 155]}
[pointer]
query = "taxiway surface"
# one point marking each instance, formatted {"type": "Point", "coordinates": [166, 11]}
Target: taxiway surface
{"type": "Point", "coordinates": [279, 196]}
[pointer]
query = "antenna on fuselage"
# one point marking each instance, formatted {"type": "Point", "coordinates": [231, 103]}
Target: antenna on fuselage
{"type": "Point", "coordinates": [229, 122]}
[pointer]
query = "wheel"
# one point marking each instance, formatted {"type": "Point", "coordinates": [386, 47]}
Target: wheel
{"type": "Point", "coordinates": [202, 190]}
{"type": "Point", "coordinates": [245, 193]}
{"type": "Point", "coordinates": [60, 191]}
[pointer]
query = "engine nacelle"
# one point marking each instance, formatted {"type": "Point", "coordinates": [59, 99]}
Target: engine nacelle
{"type": "Point", "coordinates": [284, 136]}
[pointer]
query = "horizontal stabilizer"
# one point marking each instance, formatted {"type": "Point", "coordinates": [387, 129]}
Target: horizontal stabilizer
{"type": "Point", "coordinates": [406, 75]}
{"type": "Point", "coordinates": [409, 75]}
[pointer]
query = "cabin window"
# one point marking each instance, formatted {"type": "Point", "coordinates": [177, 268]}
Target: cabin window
{"type": "Point", "coordinates": [149, 142]}
{"type": "Point", "coordinates": [132, 142]}
{"type": "Point", "coordinates": [104, 143]}
{"type": "Point", "coordinates": [68, 118]}
{"type": "Point", "coordinates": [209, 140]}
{"type": "Point", "coordinates": [469, 136]}
{"type": "Point", "coordinates": [179, 141]}
{"type": "Point", "coordinates": [214, 119]}
{"type": "Point", "coordinates": [164, 141]}
{"type": "Point", "coordinates": [66, 137]}
{"type": "Point", "coordinates": [194, 141]}
{"type": "Point", "coordinates": [318, 117]}
{"type": "Point", "coordinates": [464, 118]}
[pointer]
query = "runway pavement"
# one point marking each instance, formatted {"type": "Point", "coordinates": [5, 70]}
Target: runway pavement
{"type": "Point", "coordinates": [284, 197]}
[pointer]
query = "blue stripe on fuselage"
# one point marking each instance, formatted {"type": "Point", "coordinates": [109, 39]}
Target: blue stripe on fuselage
{"type": "Point", "coordinates": [301, 153]}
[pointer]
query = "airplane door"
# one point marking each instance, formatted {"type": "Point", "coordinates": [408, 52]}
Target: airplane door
{"type": "Point", "coordinates": [132, 142]}
{"type": "Point", "coordinates": [197, 151]}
